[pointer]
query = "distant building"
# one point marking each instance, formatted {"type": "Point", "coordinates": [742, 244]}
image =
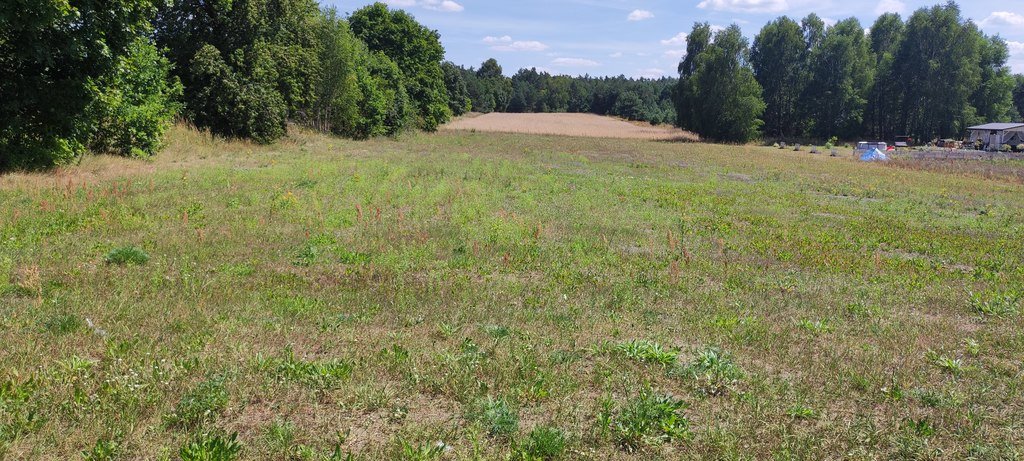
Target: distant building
{"type": "Point", "coordinates": [994, 135]}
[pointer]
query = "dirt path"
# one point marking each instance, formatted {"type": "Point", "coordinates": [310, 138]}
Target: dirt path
{"type": "Point", "coordinates": [584, 125]}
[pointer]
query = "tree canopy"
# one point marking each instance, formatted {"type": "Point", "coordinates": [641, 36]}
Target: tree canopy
{"type": "Point", "coordinates": [718, 91]}
{"type": "Point", "coordinates": [418, 53]}
{"type": "Point", "coordinates": [112, 75]}
{"type": "Point", "coordinates": [930, 76]}
{"type": "Point", "coordinates": [57, 60]}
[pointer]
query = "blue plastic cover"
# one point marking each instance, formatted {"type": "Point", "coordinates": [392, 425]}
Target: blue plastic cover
{"type": "Point", "coordinates": [873, 155]}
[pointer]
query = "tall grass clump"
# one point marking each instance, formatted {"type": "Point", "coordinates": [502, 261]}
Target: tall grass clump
{"type": "Point", "coordinates": [126, 255]}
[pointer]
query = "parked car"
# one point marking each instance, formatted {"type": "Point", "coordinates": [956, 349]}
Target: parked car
{"type": "Point", "coordinates": [868, 145]}
{"type": "Point", "coordinates": [904, 141]}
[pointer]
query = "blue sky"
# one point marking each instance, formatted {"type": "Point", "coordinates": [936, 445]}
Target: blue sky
{"type": "Point", "coordinates": [642, 38]}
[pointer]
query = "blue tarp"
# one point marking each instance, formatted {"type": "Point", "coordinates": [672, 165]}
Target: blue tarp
{"type": "Point", "coordinates": [873, 155]}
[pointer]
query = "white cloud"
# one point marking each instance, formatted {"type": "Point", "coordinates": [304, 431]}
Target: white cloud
{"type": "Point", "coordinates": [448, 6]}
{"type": "Point", "coordinates": [1016, 60]}
{"type": "Point", "coordinates": [496, 40]}
{"type": "Point", "coordinates": [574, 62]}
{"type": "Point", "coordinates": [679, 39]}
{"type": "Point", "coordinates": [505, 43]}
{"type": "Point", "coordinates": [745, 6]}
{"type": "Point", "coordinates": [829, 22]}
{"type": "Point", "coordinates": [640, 15]}
{"type": "Point", "coordinates": [651, 73]}
{"type": "Point", "coordinates": [674, 54]}
{"type": "Point", "coordinates": [1003, 18]}
{"type": "Point", "coordinates": [890, 6]}
{"type": "Point", "coordinates": [616, 55]}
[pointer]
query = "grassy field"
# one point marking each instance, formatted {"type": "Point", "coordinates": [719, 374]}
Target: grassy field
{"type": "Point", "coordinates": [465, 295]}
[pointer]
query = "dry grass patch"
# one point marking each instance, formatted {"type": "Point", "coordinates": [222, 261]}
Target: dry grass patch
{"type": "Point", "coordinates": [584, 125]}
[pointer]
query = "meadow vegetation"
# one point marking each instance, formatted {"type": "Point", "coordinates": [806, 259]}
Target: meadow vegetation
{"type": "Point", "coordinates": [464, 295]}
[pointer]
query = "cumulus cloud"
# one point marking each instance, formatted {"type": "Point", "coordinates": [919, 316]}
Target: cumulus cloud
{"type": "Point", "coordinates": [574, 62]}
{"type": "Point", "coordinates": [1003, 18]}
{"type": "Point", "coordinates": [1016, 60]}
{"type": "Point", "coordinates": [651, 73]}
{"type": "Point", "coordinates": [448, 6]}
{"type": "Point", "coordinates": [679, 39]}
{"type": "Point", "coordinates": [745, 6]}
{"type": "Point", "coordinates": [640, 15]}
{"type": "Point", "coordinates": [505, 43]}
{"type": "Point", "coordinates": [890, 6]}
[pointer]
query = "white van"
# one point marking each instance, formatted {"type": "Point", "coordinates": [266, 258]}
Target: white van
{"type": "Point", "coordinates": [868, 145]}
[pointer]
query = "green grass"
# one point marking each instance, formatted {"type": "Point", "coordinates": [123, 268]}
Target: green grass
{"type": "Point", "coordinates": [490, 296]}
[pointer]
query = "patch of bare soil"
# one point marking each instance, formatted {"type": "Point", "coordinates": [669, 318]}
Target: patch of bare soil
{"type": "Point", "coordinates": [581, 125]}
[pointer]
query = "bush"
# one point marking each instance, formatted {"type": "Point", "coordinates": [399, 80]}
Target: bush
{"type": "Point", "coordinates": [416, 50]}
{"type": "Point", "coordinates": [231, 105]}
{"type": "Point", "coordinates": [135, 104]}
{"type": "Point", "coordinates": [51, 57]}
{"type": "Point", "coordinates": [385, 107]}
{"type": "Point", "coordinates": [1005, 148]}
{"type": "Point", "coordinates": [1019, 148]}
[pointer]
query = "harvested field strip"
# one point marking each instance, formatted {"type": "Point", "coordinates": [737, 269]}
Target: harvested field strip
{"type": "Point", "coordinates": [582, 125]}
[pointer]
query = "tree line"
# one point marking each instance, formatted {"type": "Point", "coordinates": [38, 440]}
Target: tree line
{"type": "Point", "coordinates": [931, 76]}
{"type": "Point", "coordinates": [487, 89]}
{"type": "Point", "coordinates": [112, 75]}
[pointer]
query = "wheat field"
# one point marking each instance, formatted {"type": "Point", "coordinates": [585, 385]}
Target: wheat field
{"type": "Point", "coordinates": [579, 125]}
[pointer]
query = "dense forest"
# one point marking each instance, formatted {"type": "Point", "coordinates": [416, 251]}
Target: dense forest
{"type": "Point", "coordinates": [81, 76]}
{"type": "Point", "coordinates": [487, 89]}
{"type": "Point", "coordinates": [930, 76]}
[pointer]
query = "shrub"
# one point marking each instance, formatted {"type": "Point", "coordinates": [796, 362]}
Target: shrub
{"type": "Point", "coordinates": [229, 103]}
{"type": "Point", "coordinates": [126, 255]}
{"type": "Point", "coordinates": [52, 54]}
{"type": "Point", "coordinates": [1005, 148]}
{"type": "Point", "coordinates": [415, 50]}
{"type": "Point", "coordinates": [135, 103]}
{"type": "Point", "coordinates": [1019, 148]}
